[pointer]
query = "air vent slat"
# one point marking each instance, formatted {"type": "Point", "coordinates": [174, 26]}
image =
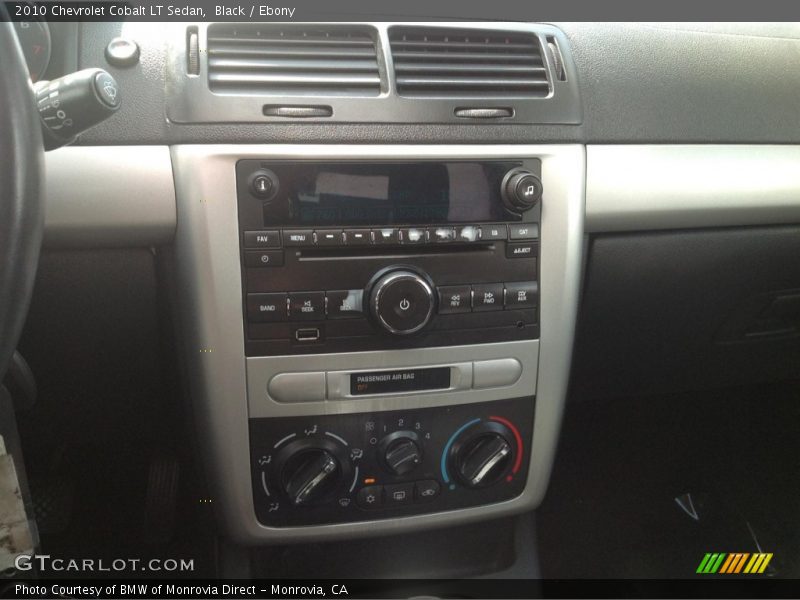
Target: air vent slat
{"type": "Point", "coordinates": [276, 50]}
{"type": "Point", "coordinates": [465, 68]}
{"type": "Point", "coordinates": [447, 62]}
{"type": "Point", "coordinates": [294, 60]}
{"type": "Point", "coordinates": [259, 64]}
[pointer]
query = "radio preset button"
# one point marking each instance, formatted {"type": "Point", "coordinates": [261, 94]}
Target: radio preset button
{"type": "Point", "coordinates": [329, 237]}
{"type": "Point", "coordinates": [266, 308]}
{"type": "Point", "coordinates": [357, 237]}
{"type": "Point", "coordinates": [413, 235]}
{"type": "Point", "coordinates": [521, 295]}
{"type": "Point", "coordinates": [387, 235]}
{"type": "Point", "coordinates": [298, 237]}
{"type": "Point", "coordinates": [455, 299]}
{"type": "Point", "coordinates": [441, 235]}
{"type": "Point", "coordinates": [345, 304]}
{"type": "Point", "coordinates": [523, 231]}
{"type": "Point", "coordinates": [262, 239]}
{"type": "Point", "coordinates": [487, 296]}
{"type": "Point", "coordinates": [306, 306]}
{"type": "Point", "coordinates": [523, 250]}
{"type": "Point", "coordinates": [468, 233]}
{"type": "Point", "coordinates": [493, 232]}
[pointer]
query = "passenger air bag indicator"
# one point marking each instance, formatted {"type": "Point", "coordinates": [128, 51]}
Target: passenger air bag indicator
{"type": "Point", "coordinates": [392, 382]}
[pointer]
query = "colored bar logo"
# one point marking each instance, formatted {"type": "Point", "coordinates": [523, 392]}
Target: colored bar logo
{"type": "Point", "coordinates": [734, 563]}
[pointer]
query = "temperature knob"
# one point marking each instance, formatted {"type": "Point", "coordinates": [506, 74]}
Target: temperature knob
{"type": "Point", "coordinates": [483, 455]}
{"type": "Point", "coordinates": [401, 452]}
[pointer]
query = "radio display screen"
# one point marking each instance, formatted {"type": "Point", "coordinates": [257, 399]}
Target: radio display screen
{"type": "Point", "coordinates": [388, 193]}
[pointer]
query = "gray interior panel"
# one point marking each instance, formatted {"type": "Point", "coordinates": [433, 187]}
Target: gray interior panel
{"type": "Point", "coordinates": [109, 196]}
{"type": "Point", "coordinates": [633, 188]}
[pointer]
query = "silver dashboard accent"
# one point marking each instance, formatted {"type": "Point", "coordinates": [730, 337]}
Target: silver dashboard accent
{"type": "Point", "coordinates": [499, 372]}
{"type": "Point", "coordinates": [297, 387]}
{"type": "Point", "coordinates": [109, 196]}
{"type": "Point", "coordinates": [208, 283]}
{"type": "Point", "coordinates": [635, 188]}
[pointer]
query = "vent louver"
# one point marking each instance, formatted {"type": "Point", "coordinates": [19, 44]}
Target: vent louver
{"type": "Point", "coordinates": [292, 61]}
{"type": "Point", "coordinates": [466, 63]}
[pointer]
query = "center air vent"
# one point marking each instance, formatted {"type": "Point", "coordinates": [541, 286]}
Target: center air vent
{"type": "Point", "coordinates": [467, 63]}
{"type": "Point", "coordinates": [292, 60]}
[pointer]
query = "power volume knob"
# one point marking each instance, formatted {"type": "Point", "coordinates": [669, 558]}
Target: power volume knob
{"type": "Point", "coordinates": [521, 190]}
{"type": "Point", "coordinates": [402, 302]}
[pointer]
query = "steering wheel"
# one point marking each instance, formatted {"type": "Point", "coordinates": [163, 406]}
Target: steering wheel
{"type": "Point", "coordinates": [21, 191]}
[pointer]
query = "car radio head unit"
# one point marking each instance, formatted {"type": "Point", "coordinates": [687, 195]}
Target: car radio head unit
{"type": "Point", "coordinates": [344, 256]}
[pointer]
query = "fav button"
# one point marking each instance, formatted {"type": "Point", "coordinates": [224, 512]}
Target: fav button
{"type": "Point", "coordinates": [370, 496]}
{"type": "Point", "coordinates": [487, 296]}
{"type": "Point", "coordinates": [262, 239]}
{"type": "Point", "coordinates": [306, 306]}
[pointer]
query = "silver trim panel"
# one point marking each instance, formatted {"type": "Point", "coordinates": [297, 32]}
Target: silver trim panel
{"type": "Point", "coordinates": [634, 188]}
{"type": "Point", "coordinates": [209, 288]}
{"type": "Point", "coordinates": [496, 373]}
{"type": "Point", "coordinates": [297, 387]}
{"type": "Point", "coordinates": [109, 196]}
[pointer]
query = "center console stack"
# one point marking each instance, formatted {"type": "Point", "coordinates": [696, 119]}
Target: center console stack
{"type": "Point", "coordinates": [369, 342]}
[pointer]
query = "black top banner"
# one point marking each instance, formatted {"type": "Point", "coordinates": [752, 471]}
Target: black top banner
{"type": "Point", "coordinates": [407, 10]}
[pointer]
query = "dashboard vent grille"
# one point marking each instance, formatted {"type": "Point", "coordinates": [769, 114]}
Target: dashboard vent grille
{"type": "Point", "coordinates": [294, 61]}
{"type": "Point", "coordinates": [467, 63]}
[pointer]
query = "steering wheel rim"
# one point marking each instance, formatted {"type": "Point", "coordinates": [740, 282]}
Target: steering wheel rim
{"type": "Point", "coordinates": [21, 191]}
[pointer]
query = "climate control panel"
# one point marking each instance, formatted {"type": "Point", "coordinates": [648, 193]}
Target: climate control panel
{"type": "Point", "coordinates": [367, 466]}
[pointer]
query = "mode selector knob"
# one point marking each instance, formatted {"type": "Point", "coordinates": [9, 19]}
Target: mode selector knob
{"type": "Point", "coordinates": [402, 302]}
{"type": "Point", "coordinates": [309, 475]}
{"type": "Point", "coordinates": [400, 452]}
{"type": "Point", "coordinates": [521, 190]}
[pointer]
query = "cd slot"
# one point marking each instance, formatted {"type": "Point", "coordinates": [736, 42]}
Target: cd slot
{"type": "Point", "coordinates": [310, 254]}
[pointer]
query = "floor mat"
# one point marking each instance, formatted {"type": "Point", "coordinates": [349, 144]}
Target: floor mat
{"type": "Point", "coordinates": [611, 509]}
